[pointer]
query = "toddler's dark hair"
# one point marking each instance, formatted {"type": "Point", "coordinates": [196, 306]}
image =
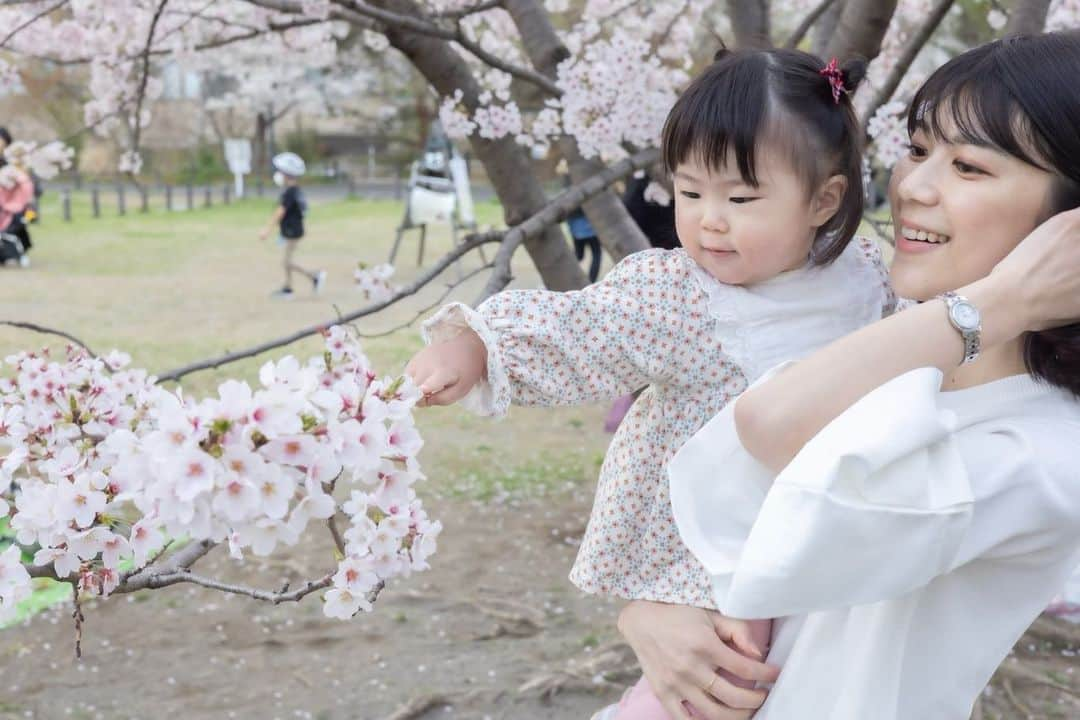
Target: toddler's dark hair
{"type": "Point", "coordinates": [1018, 95]}
{"type": "Point", "coordinates": [752, 98]}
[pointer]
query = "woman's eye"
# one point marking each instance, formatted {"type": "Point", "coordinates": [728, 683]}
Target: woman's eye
{"type": "Point", "coordinates": [690, 195]}
{"type": "Point", "coordinates": [916, 152]}
{"type": "Point", "coordinates": [739, 200]}
{"type": "Point", "coordinates": [967, 169]}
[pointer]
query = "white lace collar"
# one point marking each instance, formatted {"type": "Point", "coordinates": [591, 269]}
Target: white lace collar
{"type": "Point", "coordinates": [786, 317]}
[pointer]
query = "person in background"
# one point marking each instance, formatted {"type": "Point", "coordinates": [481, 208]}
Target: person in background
{"type": "Point", "coordinates": [16, 196]}
{"type": "Point", "coordinates": [289, 217]}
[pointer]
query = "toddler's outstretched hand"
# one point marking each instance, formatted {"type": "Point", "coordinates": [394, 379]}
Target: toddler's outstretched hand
{"type": "Point", "coordinates": [446, 371]}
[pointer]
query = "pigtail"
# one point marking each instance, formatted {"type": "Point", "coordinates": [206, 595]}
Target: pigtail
{"type": "Point", "coordinates": [843, 80]}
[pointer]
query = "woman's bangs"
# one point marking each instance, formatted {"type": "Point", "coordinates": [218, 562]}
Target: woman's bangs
{"type": "Point", "coordinates": [969, 104]}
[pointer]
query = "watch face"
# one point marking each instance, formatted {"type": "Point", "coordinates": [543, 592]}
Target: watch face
{"type": "Point", "coordinates": [966, 316]}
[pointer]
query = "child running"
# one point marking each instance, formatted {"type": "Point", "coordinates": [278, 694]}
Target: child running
{"type": "Point", "coordinates": [289, 217]}
{"type": "Point", "coordinates": [764, 152]}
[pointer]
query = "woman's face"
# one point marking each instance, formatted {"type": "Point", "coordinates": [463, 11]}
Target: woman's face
{"type": "Point", "coordinates": [958, 209]}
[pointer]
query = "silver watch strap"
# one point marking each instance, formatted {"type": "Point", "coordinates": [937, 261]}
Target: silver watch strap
{"type": "Point", "coordinates": [972, 338]}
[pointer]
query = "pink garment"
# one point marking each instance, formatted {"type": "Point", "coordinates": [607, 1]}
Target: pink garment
{"type": "Point", "coordinates": [15, 199]}
{"type": "Point", "coordinates": [641, 703]}
{"type": "Point", "coordinates": [618, 411]}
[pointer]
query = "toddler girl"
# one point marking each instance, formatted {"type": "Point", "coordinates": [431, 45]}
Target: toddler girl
{"type": "Point", "coordinates": [764, 151]}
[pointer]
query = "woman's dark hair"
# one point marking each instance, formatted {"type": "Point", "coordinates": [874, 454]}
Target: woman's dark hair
{"type": "Point", "coordinates": [5, 135]}
{"type": "Point", "coordinates": [752, 98]}
{"type": "Point", "coordinates": [1019, 96]}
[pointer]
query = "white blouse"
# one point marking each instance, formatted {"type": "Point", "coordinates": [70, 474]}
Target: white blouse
{"type": "Point", "coordinates": [904, 550]}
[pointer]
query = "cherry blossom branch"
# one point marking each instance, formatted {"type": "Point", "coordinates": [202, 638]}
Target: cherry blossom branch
{"type": "Point", "coordinates": [471, 243]}
{"type": "Point", "coordinates": [454, 35]}
{"type": "Point", "coordinates": [1027, 17]}
{"type": "Point", "coordinates": [807, 22]}
{"type": "Point", "coordinates": [910, 52]}
{"type": "Point", "coordinates": [479, 7]}
{"type": "Point", "coordinates": [157, 581]}
{"type": "Point", "coordinates": [48, 331]}
{"type": "Point", "coordinates": [32, 20]}
{"type": "Point", "coordinates": [140, 96]}
{"type": "Point", "coordinates": [425, 310]}
{"type": "Point", "coordinates": [557, 211]}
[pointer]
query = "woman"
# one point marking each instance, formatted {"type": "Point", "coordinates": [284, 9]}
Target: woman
{"type": "Point", "coordinates": [927, 505]}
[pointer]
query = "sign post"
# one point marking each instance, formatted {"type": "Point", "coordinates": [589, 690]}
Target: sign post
{"type": "Point", "coordinates": [238, 158]}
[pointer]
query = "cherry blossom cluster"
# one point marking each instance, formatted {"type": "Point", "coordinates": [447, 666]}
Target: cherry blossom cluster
{"type": "Point", "coordinates": [374, 282]}
{"type": "Point", "coordinates": [45, 161]}
{"type": "Point", "coordinates": [100, 466]}
{"type": "Point", "coordinates": [888, 133]}
{"type": "Point", "coordinates": [1063, 15]}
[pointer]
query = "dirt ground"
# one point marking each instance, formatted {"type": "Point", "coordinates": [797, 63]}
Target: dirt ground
{"type": "Point", "coordinates": [493, 630]}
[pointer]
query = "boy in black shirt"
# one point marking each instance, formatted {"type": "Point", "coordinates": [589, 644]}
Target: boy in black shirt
{"type": "Point", "coordinates": [289, 217]}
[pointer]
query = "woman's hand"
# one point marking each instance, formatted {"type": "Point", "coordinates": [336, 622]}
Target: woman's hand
{"type": "Point", "coordinates": [680, 648]}
{"type": "Point", "coordinates": [1041, 275]}
{"type": "Point", "coordinates": [446, 371]}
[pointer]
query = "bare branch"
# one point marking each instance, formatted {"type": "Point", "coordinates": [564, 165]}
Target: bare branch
{"type": "Point", "coordinates": [157, 581]}
{"type": "Point", "coordinates": [48, 331]}
{"type": "Point", "coordinates": [557, 211]}
{"type": "Point", "coordinates": [807, 22]}
{"type": "Point", "coordinates": [911, 51]}
{"type": "Point", "coordinates": [471, 242]}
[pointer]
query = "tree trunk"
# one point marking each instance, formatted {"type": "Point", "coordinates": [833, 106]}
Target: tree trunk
{"type": "Point", "coordinates": [507, 164]}
{"type": "Point", "coordinates": [750, 22]}
{"type": "Point", "coordinates": [826, 27]}
{"type": "Point", "coordinates": [861, 29]}
{"type": "Point", "coordinates": [617, 231]}
{"type": "Point", "coordinates": [907, 56]}
{"type": "Point", "coordinates": [1028, 17]}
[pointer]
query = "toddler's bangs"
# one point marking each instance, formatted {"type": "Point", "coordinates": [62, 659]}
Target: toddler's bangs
{"type": "Point", "coordinates": [724, 110]}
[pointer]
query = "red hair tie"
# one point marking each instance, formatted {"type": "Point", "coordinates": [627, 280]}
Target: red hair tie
{"type": "Point", "coordinates": [835, 76]}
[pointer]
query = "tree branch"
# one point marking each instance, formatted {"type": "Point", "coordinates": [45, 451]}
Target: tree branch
{"type": "Point", "coordinates": [32, 20]}
{"type": "Point", "coordinates": [861, 29]}
{"type": "Point", "coordinates": [903, 63]}
{"type": "Point", "coordinates": [479, 7]}
{"type": "Point", "coordinates": [557, 211]}
{"type": "Point", "coordinates": [48, 331]}
{"type": "Point", "coordinates": [807, 22]}
{"type": "Point", "coordinates": [471, 242]}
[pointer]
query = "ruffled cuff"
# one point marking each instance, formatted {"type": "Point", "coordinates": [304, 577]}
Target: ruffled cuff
{"type": "Point", "coordinates": [874, 506]}
{"type": "Point", "coordinates": [492, 396]}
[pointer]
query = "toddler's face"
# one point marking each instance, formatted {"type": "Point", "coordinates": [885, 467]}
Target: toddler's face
{"type": "Point", "coordinates": [739, 233]}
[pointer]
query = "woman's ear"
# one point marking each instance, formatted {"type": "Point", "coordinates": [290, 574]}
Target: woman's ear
{"type": "Point", "coordinates": [827, 199]}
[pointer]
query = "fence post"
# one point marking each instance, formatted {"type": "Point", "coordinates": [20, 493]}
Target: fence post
{"type": "Point", "coordinates": [66, 198]}
{"type": "Point", "coordinates": [190, 196]}
{"type": "Point", "coordinates": [144, 201]}
{"type": "Point", "coordinates": [226, 193]}
{"type": "Point", "coordinates": [397, 185]}
{"type": "Point", "coordinates": [351, 182]}
{"type": "Point", "coordinates": [95, 202]}
{"type": "Point", "coordinates": [207, 197]}
{"type": "Point", "coordinates": [259, 186]}
{"type": "Point", "coordinates": [168, 197]}
{"type": "Point", "coordinates": [121, 204]}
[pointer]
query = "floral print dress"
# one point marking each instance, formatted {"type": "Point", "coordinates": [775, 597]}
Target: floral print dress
{"type": "Point", "coordinates": [657, 321]}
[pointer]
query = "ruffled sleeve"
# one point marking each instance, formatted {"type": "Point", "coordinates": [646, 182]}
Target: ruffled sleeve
{"type": "Point", "coordinates": [639, 325]}
{"type": "Point", "coordinates": [884, 499]}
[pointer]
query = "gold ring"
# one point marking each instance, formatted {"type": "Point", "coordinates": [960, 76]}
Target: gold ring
{"type": "Point", "coordinates": [708, 688]}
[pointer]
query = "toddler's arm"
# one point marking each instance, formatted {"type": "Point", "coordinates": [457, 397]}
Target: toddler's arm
{"type": "Point", "coordinates": [534, 347]}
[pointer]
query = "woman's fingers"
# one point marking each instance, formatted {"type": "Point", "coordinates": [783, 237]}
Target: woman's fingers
{"type": "Point", "coordinates": [723, 656]}
{"type": "Point", "coordinates": [704, 706]}
{"type": "Point", "coordinates": [736, 698]}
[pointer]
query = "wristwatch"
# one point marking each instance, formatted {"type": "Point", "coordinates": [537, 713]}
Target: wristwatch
{"type": "Point", "coordinates": [966, 319]}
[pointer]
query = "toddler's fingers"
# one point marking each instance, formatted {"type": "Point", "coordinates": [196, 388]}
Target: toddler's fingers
{"type": "Point", "coordinates": [434, 384]}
